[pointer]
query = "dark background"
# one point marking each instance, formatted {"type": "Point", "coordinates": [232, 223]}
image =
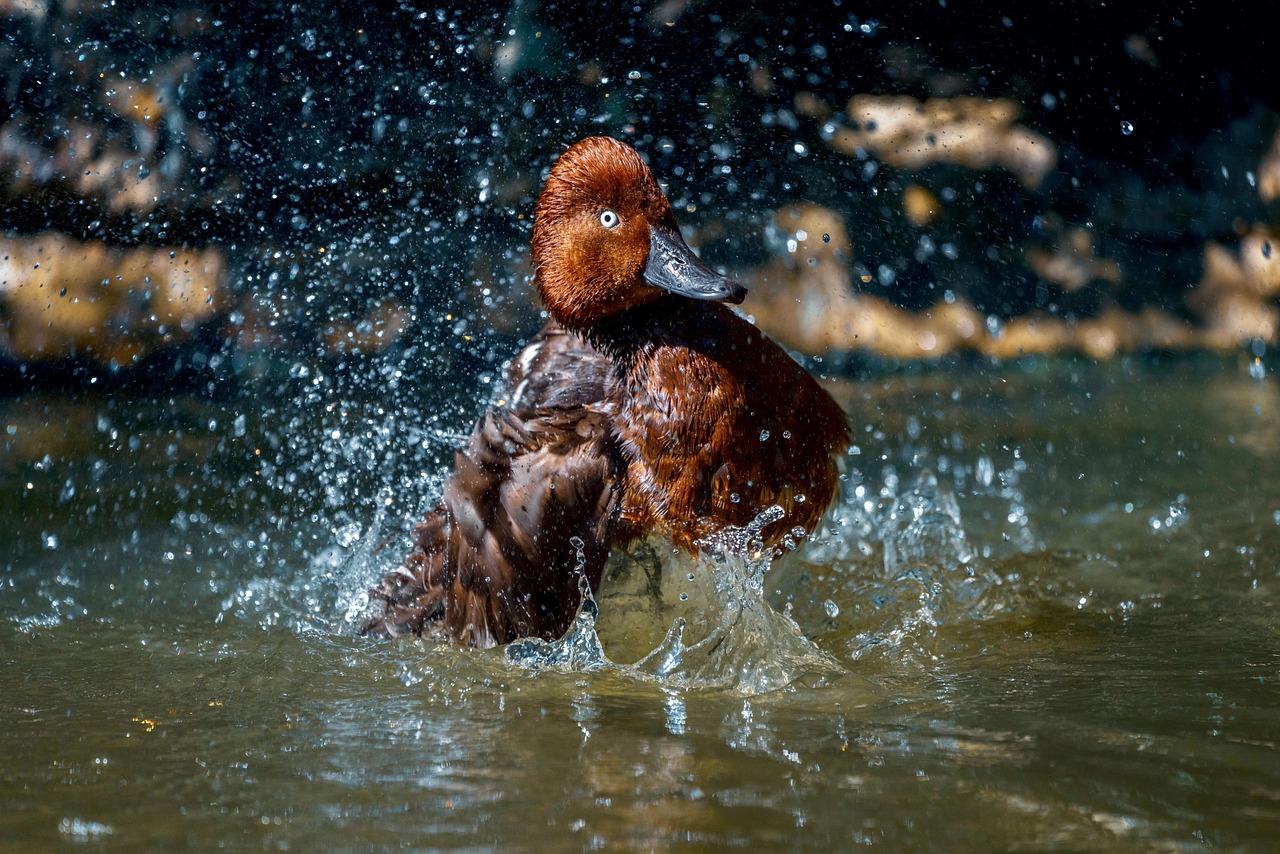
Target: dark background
{"type": "Point", "coordinates": [409, 141]}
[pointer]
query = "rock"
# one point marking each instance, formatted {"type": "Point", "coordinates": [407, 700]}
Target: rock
{"type": "Point", "coordinates": [1235, 295]}
{"type": "Point", "coordinates": [803, 295]}
{"type": "Point", "coordinates": [1269, 172]}
{"type": "Point", "coordinates": [957, 324]}
{"type": "Point", "coordinates": [804, 298]}
{"type": "Point", "coordinates": [1235, 319]}
{"type": "Point", "coordinates": [886, 330]}
{"type": "Point", "coordinates": [920, 206]}
{"type": "Point", "coordinates": [977, 133]}
{"type": "Point", "coordinates": [65, 298]}
{"type": "Point", "coordinates": [1029, 335]}
{"type": "Point", "coordinates": [1072, 264]}
{"type": "Point", "coordinates": [1157, 329]}
{"type": "Point", "coordinates": [1260, 261]}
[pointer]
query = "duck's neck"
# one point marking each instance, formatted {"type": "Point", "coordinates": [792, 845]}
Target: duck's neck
{"type": "Point", "coordinates": [670, 319]}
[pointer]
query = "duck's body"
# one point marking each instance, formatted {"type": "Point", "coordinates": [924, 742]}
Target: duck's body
{"type": "Point", "coordinates": [640, 406]}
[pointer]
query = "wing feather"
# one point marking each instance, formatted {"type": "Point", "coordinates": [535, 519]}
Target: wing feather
{"type": "Point", "coordinates": [499, 557]}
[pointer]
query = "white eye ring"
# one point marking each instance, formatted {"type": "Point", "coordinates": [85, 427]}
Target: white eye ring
{"type": "Point", "coordinates": [609, 219]}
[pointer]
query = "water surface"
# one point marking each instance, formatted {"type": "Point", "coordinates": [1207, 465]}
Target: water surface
{"type": "Point", "coordinates": [1049, 590]}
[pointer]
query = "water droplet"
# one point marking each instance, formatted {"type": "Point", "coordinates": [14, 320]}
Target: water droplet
{"type": "Point", "coordinates": [832, 609]}
{"type": "Point", "coordinates": [1126, 128]}
{"type": "Point", "coordinates": [985, 471]}
{"type": "Point", "coordinates": [826, 238]}
{"type": "Point", "coordinates": [348, 535]}
{"type": "Point", "coordinates": [764, 435]}
{"type": "Point", "coordinates": [50, 541]}
{"type": "Point", "coordinates": [734, 497]}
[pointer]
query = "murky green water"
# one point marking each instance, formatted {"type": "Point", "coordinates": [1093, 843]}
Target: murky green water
{"type": "Point", "coordinates": [1051, 589]}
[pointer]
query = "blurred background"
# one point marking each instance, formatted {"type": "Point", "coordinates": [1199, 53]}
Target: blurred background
{"type": "Point", "coordinates": [202, 194]}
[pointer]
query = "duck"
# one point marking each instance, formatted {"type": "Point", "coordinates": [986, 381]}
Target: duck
{"type": "Point", "coordinates": [644, 406]}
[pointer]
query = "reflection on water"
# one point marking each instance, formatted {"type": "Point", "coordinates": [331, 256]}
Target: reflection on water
{"type": "Point", "coordinates": [1041, 615]}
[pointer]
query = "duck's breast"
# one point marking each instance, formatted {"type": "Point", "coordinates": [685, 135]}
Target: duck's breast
{"type": "Point", "coordinates": [717, 424]}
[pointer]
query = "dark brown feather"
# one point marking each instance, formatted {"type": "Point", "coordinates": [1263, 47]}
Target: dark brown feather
{"type": "Point", "coordinates": [497, 558]}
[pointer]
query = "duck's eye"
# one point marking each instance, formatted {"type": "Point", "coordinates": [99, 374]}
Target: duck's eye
{"type": "Point", "coordinates": [609, 219]}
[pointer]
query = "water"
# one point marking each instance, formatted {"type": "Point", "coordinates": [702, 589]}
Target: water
{"type": "Point", "coordinates": [1042, 615]}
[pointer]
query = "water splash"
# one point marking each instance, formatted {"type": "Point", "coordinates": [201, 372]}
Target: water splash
{"type": "Point", "coordinates": [922, 526]}
{"type": "Point", "coordinates": [896, 563]}
{"type": "Point", "coordinates": [578, 650]}
{"type": "Point", "coordinates": [730, 638]}
{"type": "Point", "coordinates": [327, 595]}
{"type": "Point", "coordinates": [748, 646]}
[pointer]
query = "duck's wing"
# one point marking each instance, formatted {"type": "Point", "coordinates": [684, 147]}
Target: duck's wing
{"type": "Point", "coordinates": [529, 508]}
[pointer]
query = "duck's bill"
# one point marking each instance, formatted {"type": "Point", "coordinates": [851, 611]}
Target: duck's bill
{"type": "Point", "coordinates": [673, 267]}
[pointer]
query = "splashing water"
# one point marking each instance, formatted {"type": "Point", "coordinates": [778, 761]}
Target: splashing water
{"type": "Point", "coordinates": [895, 566]}
{"type": "Point", "coordinates": [580, 648]}
{"type": "Point", "coordinates": [927, 563]}
{"type": "Point", "coordinates": [749, 646]}
{"type": "Point", "coordinates": [899, 564]}
{"type": "Point", "coordinates": [328, 593]}
{"type": "Point", "coordinates": [739, 642]}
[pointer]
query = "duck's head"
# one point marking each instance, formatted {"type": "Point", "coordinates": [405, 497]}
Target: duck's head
{"type": "Point", "coordinates": [605, 239]}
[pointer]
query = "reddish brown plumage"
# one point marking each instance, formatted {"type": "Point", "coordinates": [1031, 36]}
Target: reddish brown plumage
{"type": "Point", "coordinates": [717, 423]}
{"type": "Point", "coordinates": [582, 271]}
{"type": "Point", "coordinates": [633, 410]}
